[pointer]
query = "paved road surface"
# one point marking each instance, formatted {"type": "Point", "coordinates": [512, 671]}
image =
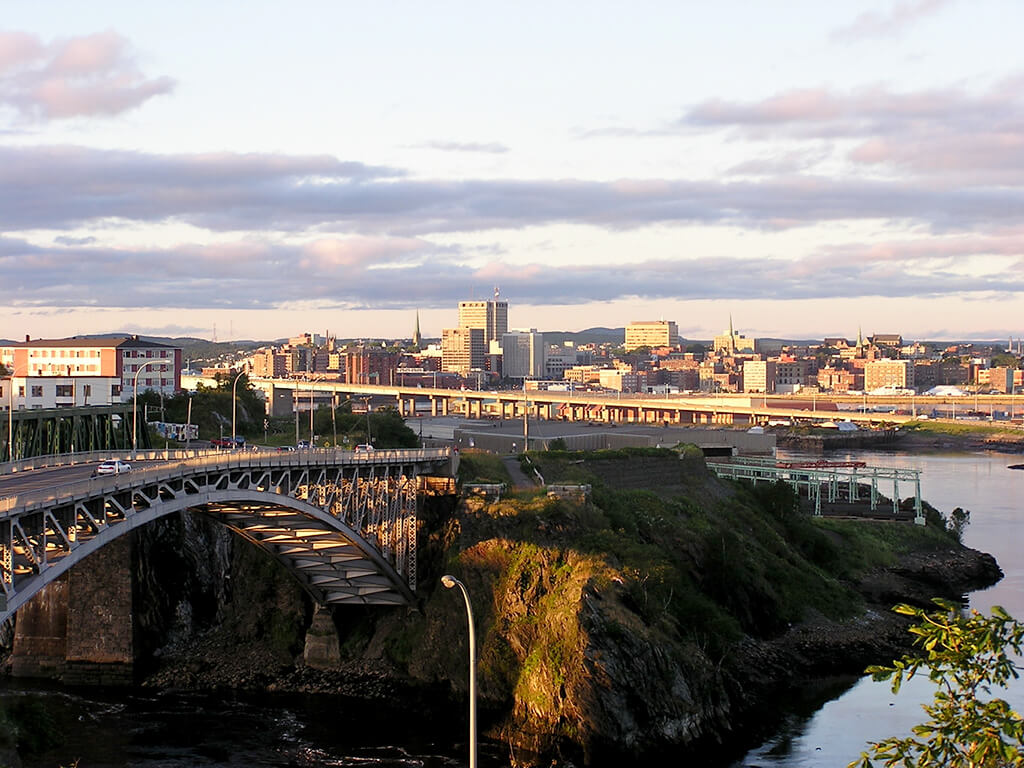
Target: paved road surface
{"type": "Point", "coordinates": [50, 477]}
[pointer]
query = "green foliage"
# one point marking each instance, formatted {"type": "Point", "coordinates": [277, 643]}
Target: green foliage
{"type": "Point", "coordinates": [1005, 360]}
{"type": "Point", "coordinates": [558, 444]}
{"type": "Point", "coordinates": [965, 656]}
{"type": "Point", "coordinates": [479, 467]}
{"type": "Point", "coordinates": [949, 428]}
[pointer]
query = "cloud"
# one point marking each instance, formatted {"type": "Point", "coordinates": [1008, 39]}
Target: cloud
{"type": "Point", "coordinates": [868, 109]}
{"type": "Point", "coordinates": [971, 139]}
{"type": "Point", "coordinates": [405, 273]}
{"type": "Point", "coordinates": [465, 146]}
{"type": "Point", "coordinates": [71, 187]}
{"type": "Point", "coordinates": [84, 76]}
{"type": "Point", "coordinates": [903, 15]}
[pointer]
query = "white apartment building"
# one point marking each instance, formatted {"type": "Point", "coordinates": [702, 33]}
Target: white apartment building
{"type": "Point", "coordinates": [56, 373]}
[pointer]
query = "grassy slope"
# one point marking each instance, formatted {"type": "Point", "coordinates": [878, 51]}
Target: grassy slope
{"type": "Point", "coordinates": [605, 623]}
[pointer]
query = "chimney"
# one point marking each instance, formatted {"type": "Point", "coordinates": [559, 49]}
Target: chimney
{"type": "Point", "coordinates": [27, 338]}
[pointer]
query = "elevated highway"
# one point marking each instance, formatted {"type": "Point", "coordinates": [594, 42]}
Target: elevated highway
{"type": "Point", "coordinates": [285, 394]}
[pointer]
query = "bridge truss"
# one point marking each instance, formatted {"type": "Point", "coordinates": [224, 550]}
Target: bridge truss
{"type": "Point", "coordinates": [849, 482]}
{"type": "Point", "coordinates": [343, 524]}
{"type": "Point", "coordinates": [69, 430]}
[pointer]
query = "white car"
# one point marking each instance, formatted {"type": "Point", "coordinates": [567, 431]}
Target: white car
{"type": "Point", "coordinates": [112, 467]}
{"type": "Point", "coordinates": [364, 448]}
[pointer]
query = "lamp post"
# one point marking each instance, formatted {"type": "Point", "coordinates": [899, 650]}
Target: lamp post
{"type": "Point", "coordinates": [366, 401]}
{"type": "Point", "coordinates": [135, 404]}
{"type": "Point", "coordinates": [450, 581]}
{"type": "Point", "coordinates": [526, 418]}
{"type": "Point", "coordinates": [10, 414]}
{"type": "Point", "coordinates": [234, 443]}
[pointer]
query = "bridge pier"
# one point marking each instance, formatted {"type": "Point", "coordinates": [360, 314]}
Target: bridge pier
{"type": "Point", "coordinates": [41, 634]}
{"type": "Point", "coordinates": [322, 649]}
{"type": "Point", "coordinates": [80, 627]}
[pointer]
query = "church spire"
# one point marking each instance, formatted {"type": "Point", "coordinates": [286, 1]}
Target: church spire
{"type": "Point", "coordinates": [417, 339]}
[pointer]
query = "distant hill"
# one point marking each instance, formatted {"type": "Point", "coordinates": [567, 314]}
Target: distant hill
{"type": "Point", "coordinates": [597, 335]}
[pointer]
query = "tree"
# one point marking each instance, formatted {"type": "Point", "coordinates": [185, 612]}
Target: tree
{"type": "Point", "coordinates": [965, 655]}
{"type": "Point", "coordinates": [1005, 360]}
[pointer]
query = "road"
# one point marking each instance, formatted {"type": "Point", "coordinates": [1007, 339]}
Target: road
{"type": "Point", "coordinates": [50, 477]}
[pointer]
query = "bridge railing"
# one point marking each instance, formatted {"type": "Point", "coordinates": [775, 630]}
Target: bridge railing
{"type": "Point", "coordinates": [217, 460]}
{"type": "Point", "coordinates": [95, 457]}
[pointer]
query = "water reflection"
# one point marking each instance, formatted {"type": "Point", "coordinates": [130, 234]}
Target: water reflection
{"type": "Point", "coordinates": [172, 729]}
{"type": "Point", "coordinates": [839, 731]}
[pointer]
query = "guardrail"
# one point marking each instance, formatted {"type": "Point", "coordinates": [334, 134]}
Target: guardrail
{"type": "Point", "coordinates": [217, 460]}
{"type": "Point", "coordinates": [94, 457]}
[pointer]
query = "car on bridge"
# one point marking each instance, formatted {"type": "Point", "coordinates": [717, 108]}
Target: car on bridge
{"type": "Point", "coordinates": [113, 467]}
{"type": "Point", "coordinates": [364, 448]}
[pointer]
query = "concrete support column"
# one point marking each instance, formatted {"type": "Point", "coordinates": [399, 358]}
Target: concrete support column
{"type": "Point", "coordinates": [322, 649]}
{"type": "Point", "coordinates": [101, 647]}
{"type": "Point", "coordinates": [41, 633]}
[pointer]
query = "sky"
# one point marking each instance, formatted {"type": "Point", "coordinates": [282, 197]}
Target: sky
{"type": "Point", "coordinates": [256, 170]}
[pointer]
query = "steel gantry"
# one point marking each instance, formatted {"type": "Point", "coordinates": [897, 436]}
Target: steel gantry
{"type": "Point", "coordinates": [344, 524]}
{"type": "Point", "coordinates": [67, 430]}
{"type": "Point", "coordinates": [831, 481]}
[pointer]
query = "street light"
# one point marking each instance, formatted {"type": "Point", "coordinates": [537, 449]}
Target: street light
{"type": "Point", "coordinates": [135, 404]}
{"type": "Point", "coordinates": [450, 581]}
{"type": "Point", "coordinates": [366, 401]}
{"type": "Point", "coordinates": [234, 443]}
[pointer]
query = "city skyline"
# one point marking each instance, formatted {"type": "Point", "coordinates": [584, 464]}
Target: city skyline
{"type": "Point", "coordinates": [340, 166]}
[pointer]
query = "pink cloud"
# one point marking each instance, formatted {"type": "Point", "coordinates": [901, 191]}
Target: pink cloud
{"type": "Point", "coordinates": [16, 48]}
{"type": "Point", "coordinates": [82, 76]}
{"type": "Point", "coordinates": [901, 16]}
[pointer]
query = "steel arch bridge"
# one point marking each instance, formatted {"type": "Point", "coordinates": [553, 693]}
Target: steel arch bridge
{"type": "Point", "coordinates": [344, 524]}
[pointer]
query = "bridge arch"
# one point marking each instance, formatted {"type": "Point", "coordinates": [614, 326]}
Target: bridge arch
{"type": "Point", "coordinates": [344, 526]}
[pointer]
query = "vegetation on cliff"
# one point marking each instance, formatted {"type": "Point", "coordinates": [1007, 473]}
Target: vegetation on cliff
{"type": "Point", "coordinates": [613, 624]}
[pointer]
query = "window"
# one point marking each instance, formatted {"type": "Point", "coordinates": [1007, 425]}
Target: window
{"type": "Point", "coordinates": [87, 389]}
{"type": "Point", "coordinates": [115, 390]}
{"type": "Point", "coordinates": [65, 390]}
{"type": "Point", "coordinates": [21, 390]}
{"type": "Point", "coordinates": [37, 390]}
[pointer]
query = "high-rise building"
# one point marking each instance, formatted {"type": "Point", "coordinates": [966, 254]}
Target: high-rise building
{"type": "Point", "coordinates": [489, 316]}
{"type": "Point", "coordinates": [523, 355]}
{"type": "Point", "coordinates": [651, 333]}
{"type": "Point", "coordinates": [462, 350]}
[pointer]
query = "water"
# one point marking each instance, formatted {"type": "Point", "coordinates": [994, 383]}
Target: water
{"type": "Point", "coordinates": [172, 729]}
{"type": "Point", "coordinates": [837, 732]}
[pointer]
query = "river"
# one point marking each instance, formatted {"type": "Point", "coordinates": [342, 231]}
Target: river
{"type": "Point", "coordinates": [839, 729]}
{"type": "Point", "coordinates": [150, 729]}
